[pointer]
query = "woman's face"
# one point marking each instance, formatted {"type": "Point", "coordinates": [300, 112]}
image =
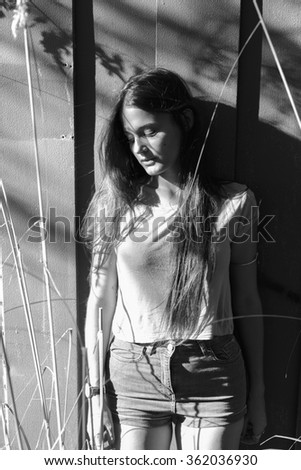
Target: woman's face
{"type": "Point", "coordinates": [154, 139]}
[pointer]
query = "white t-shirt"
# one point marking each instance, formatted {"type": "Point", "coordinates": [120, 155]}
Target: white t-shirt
{"type": "Point", "coordinates": [145, 277]}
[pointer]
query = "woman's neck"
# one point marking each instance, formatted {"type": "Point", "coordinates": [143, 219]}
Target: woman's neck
{"type": "Point", "coordinates": [167, 191]}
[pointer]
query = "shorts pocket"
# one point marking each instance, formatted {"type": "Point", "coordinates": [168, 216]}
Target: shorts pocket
{"type": "Point", "coordinates": [127, 352]}
{"type": "Point", "coordinates": [225, 349]}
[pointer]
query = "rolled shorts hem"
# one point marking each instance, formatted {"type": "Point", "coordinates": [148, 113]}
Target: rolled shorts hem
{"type": "Point", "coordinates": [196, 422]}
{"type": "Point", "coordinates": [208, 422]}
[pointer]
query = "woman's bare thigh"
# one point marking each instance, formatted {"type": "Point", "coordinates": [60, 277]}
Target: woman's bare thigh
{"type": "Point", "coordinates": [210, 438]}
{"type": "Point", "coordinates": [136, 438]}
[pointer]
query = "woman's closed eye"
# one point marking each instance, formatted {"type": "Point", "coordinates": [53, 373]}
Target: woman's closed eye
{"type": "Point", "coordinates": [150, 132]}
{"type": "Point", "coordinates": [146, 133]}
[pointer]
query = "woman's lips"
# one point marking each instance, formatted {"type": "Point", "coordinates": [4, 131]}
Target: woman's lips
{"type": "Point", "coordinates": [148, 161]}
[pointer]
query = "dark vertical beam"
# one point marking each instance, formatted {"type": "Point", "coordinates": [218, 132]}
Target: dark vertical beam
{"type": "Point", "coordinates": [248, 94]}
{"type": "Point", "coordinates": [248, 90]}
{"type": "Point", "coordinates": [84, 125]}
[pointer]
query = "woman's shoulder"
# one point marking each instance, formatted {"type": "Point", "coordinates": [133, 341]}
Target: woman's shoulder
{"type": "Point", "coordinates": [231, 190]}
{"type": "Point", "coordinates": [237, 200]}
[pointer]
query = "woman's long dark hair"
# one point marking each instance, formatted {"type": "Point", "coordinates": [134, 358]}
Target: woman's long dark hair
{"type": "Point", "coordinates": [160, 90]}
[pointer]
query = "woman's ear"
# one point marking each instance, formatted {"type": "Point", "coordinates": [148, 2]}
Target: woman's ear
{"type": "Point", "coordinates": [188, 118]}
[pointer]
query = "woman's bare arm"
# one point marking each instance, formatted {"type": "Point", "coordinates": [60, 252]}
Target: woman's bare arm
{"type": "Point", "coordinates": [247, 311]}
{"type": "Point", "coordinates": [103, 293]}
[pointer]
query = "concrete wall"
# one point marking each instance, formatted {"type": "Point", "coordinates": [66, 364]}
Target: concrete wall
{"type": "Point", "coordinates": [277, 181]}
{"type": "Point", "coordinates": [50, 38]}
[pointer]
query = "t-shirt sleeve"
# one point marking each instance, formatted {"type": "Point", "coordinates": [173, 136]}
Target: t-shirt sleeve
{"type": "Point", "coordinates": [245, 219]}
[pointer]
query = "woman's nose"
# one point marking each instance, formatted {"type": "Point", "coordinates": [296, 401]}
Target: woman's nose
{"type": "Point", "coordinates": [139, 146]}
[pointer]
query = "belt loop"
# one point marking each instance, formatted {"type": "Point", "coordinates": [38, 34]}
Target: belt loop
{"type": "Point", "coordinates": [170, 347]}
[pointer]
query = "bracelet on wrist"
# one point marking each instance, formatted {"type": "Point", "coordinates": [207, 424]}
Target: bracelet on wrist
{"type": "Point", "coordinates": [91, 391]}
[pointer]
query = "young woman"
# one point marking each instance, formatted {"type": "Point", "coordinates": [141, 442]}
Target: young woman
{"type": "Point", "coordinates": [174, 261]}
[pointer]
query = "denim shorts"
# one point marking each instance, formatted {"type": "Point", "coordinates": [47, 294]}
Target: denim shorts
{"type": "Point", "coordinates": [200, 383]}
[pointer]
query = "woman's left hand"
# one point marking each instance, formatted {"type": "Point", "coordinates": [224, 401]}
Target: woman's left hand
{"type": "Point", "coordinates": [255, 421]}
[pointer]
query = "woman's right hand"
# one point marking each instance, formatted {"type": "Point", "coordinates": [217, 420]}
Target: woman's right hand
{"type": "Point", "coordinates": [94, 424]}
